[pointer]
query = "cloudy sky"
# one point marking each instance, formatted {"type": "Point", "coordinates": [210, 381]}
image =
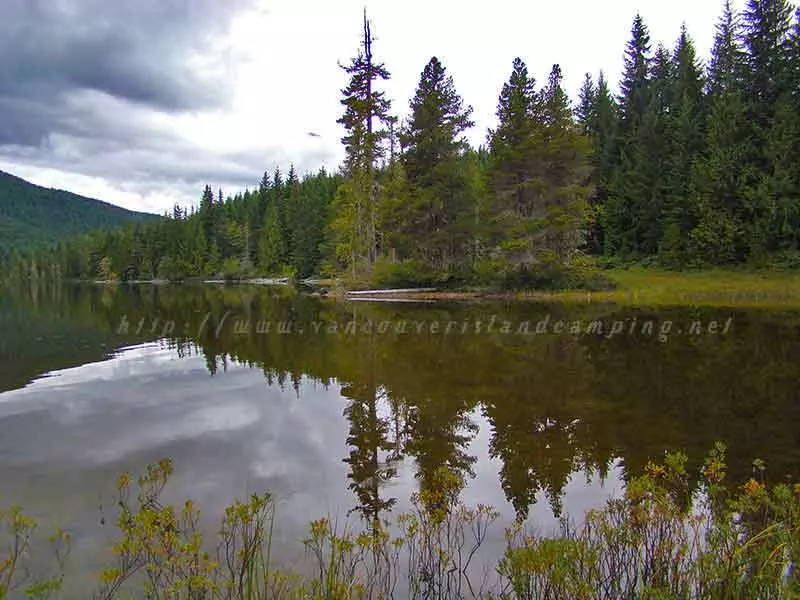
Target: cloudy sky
{"type": "Point", "coordinates": [142, 102]}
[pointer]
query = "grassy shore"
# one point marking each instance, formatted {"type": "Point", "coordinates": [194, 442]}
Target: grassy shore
{"type": "Point", "coordinates": [650, 287]}
{"type": "Point", "coordinates": [717, 288]}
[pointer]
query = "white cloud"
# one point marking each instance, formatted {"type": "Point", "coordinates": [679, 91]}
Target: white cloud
{"type": "Point", "coordinates": [282, 61]}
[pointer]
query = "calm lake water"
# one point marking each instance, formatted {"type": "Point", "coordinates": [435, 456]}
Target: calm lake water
{"type": "Point", "coordinates": [350, 407]}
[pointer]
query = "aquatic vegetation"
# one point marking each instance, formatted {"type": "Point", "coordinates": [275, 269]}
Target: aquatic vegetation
{"type": "Point", "coordinates": [659, 540]}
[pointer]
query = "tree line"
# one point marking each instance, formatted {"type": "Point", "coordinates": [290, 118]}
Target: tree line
{"type": "Point", "coordinates": [278, 229]}
{"type": "Point", "coordinates": [687, 165]}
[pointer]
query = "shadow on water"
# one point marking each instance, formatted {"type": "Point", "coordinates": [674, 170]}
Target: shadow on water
{"type": "Point", "coordinates": [384, 395]}
{"type": "Point", "coordinates": [556, 404]}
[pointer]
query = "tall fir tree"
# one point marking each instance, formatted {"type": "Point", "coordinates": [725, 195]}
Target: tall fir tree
{"type": "Point", "coordinates": [433, 144]}
{"type": "Point", "coordinates": [365, 120]}
{"type": "Point", "coordinates": [565, 163]}
{"type": "Point", "coordinates": [794, 52]}
{"type": "Point", "coordinates": [634, 87]}
{"type": "Point", "coordinates": [719, 236]}
{"type": "Point", "coordinates": [539, 165]}
{"type": "Point", "coordinates": [767, 26]}
{"type": "Point", "coordinates": [510, 143]}
{"type": "Point", "coordinates": [270, 246]}
{"type": "Point", "coordinates": [631, 189]}
{"type": "Point", "coordinates": [603, 134]}
{"type": "Point", "coordinates": [727, 63]}
{"type": "Point", "coordinates": [686, 143]}
{"type": "Point", "coordinates": [587, 100]}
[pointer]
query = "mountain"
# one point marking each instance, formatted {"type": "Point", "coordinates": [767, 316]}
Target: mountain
{"type": "Point", "coordinates": [32, 216]}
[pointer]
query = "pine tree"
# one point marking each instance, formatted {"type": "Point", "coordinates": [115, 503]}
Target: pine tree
{"type": "Point", "coordinates": [510, 143]}
{"type": "Point", "coordinates": [538, 168]}
{"type": "Point", "coordinates": [587, 101]}
{"type": "Point", "coordinates": [719, 236]}
{"type": "Point", "coordinates": [767, 28]}
{"type": "Point", "coordinates": [726, 66]}
{"type": "Point", "coordinates": [634, 92]}
{"type": "Point", "coordinates": [556, 111]}
{"type": "Point", "coordinates": [794, 58]}
{"type": "Point", "coordinates": [207, 212]}
{"type": "Point", "coordinates": [366, 109]}
{"type": "Point", "coordinates": [685, 130]}
{"type": "Point", "coordinates": [603, 134]}
{"type": "Point", "coordinates": [631, 205]}
{"type": "Point", "coordinates": [564, 158]}
{"type": "Point", "coordinates": [433, 142]}
{"type": "Point", "coordinates": [270, 250]}
{"type": "Point", "coordinates": [280, 199]}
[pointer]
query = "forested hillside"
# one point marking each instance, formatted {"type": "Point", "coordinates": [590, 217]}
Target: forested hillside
{"type": "Point", "coordinates": [32, 216]}
{"type": "Point", "coordinates": [689, 163]}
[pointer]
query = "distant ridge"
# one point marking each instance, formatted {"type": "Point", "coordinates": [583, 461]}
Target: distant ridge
{"type": "Point", "coordinates": [31, 215]}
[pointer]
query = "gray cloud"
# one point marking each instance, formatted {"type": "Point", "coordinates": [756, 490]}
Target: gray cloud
{"type": "Point", "coordinates": [137, 50]}
{"type": "Point", "coordinates": [80, 82]}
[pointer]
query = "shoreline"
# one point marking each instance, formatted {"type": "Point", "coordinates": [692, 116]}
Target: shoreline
{"type": "Point", "coordinates": [634, 287]}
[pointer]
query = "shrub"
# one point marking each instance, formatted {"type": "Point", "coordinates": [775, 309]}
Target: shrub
{"type": "Point", "coordinates": [659, 540]}
{"type": "Point", "coordinates": [579, 274]}
{"type": "Point", "coordinates": [408, 273]}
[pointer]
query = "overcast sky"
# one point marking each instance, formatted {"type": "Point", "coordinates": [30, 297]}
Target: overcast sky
{"type": "Point", "coordinates": [142, 102]}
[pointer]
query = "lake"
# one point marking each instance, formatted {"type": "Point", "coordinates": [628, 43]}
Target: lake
{"type": "Point", "coordinates": [348, 408]}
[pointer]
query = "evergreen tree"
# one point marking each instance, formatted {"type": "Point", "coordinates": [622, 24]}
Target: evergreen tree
{"type": "Point", "coordinates": [510, 143]}
{"type": "Point", "coordinates": [433, 143]}
{"type": "Point", "coordinates": [280, 199]}
{"type": "Point", "coordinates": [207, 212]}
{"type": "Point", "coordinates": [767, 26]}
{"type": "Point", "coordinates": [587, 101]}
{"type": "Point", "coordinates": [630, 197]}
{"type": "Point", "coordinates": [726, 65]}
{"type": "Point", "coordinates": [366, 109]}
{"type": "Point", "coordinates": [556, 111]}
{"type": "Point", "coordinates": [564, 158]}
{"type": "Point", "coordinates": [634, 92]}
{"type": "Point", "coordinates": [685, 130]}
{"type": "Point", "coordinates": [270, 251]}
{"type": "Point", "coordinates": [538, 168]}
{"type": "Point", "coordinates": [794, 57]}
{"type": "Point", "coordinates": [719, 236]}
{"type": "Point", "coordinates": [603, 133]}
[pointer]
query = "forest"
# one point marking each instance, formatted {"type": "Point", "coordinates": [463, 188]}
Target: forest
{"type": "Point", "coordinates": [686, 164]}
{"type": "Point", "coordinates": [32, 216]}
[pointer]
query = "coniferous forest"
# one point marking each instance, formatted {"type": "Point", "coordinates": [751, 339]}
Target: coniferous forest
{"type": "Point", "coordinates": [685, 163]}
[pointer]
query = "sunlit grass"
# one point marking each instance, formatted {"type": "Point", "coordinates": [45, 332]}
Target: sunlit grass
{"type": "Point", "coordinates": [717, 288]}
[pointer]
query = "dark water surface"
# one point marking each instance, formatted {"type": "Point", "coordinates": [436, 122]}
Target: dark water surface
{"type": "Point", "coordinates": [340, 408]}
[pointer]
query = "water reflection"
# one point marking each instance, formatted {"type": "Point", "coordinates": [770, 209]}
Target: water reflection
{"type": "Point", "coordinates": [539, 410]}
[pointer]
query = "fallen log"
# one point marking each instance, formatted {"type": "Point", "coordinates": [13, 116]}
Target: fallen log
{"type": "Point", "coordinates": [395, 291]}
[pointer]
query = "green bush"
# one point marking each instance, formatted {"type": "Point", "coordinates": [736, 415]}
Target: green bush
{"type": "Point", "coordinates": [580, 274]}
{"type": "Point", "coordinates": [409, 273]}
{"type": "Point", "coordinates": [787, 260]}
{"type": "Point", "coordinates": [659, 540]}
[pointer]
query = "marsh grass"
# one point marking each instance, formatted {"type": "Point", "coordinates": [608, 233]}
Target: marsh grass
{"type": "Point", "coordinates": [713, 288]}
{"type": "Point", "coordinates": [659, 541]}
